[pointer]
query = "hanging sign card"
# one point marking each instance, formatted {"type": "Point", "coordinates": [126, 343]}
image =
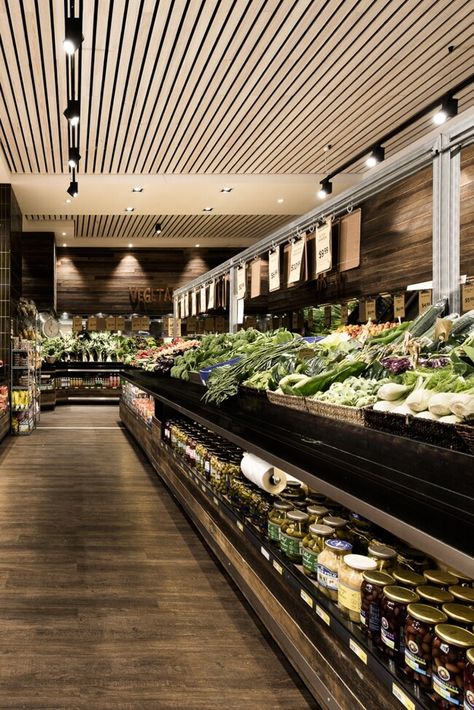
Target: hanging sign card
{"type": "Point", "coordinates": [370, 310]}
{"type": "Point", "coordinates": [212, 295]}
{"type": "Point", "coordinates": [399, 306]}
{"type": "Point", "coordinates": [344, 313]}
{"type": "Point", "coordinates": [144, 323]}
{"type": "Point", "coordinates": [193, 303]}
{"type": "Point", "coordinates": [191, 325]}
{"type": "Point", "coordinates": [77, 324]}
{"type": "Point", "coordinates": [468, 296]}
{"type": "Point", "coordinates": [255, 276]}
{"type": "Point", "coordinates": [110, 323]}
{"type": "Point", "coordinates": [296, 260]}
{"type": "Point", "coordinates": [327, 316]}
{"type": "Point", "coordinates": [274, 270]}
{"type": "Point", "coordinates": [323, 248]}
{"type": "Point", "coordinates": [101, 323]}
{"type": "Point", "coordinates": [241, 282]}
{"type": "Point", "coordinates": [136, 324]}
{"type": "Point", "coordinates": [202, 299]}
{"type": "Point", "coordinates": [120, 323]}
{"type": "Point", "coordinates": [424, 300]}
{"type": "Point", "coordinates": [362, 316]}
{"type": "Point", "coordinates": [92, 324]}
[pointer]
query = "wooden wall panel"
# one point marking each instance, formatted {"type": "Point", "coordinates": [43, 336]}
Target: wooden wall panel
{"type": "Point", "coordinates": [39, 268]}
{"type": "Point", "coordinates": [467, 211]}
{"type": "Point", "coordinates": [92, 280]}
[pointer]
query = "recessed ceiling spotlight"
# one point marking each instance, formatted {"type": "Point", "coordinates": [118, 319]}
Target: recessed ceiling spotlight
{"type": "Point", "coordinates": [64, 245]}
{"type": "Point", "coordinates": [326, 189]}
{"type": "Point", "coordinates": [63, 234]}
{"type": "Point", "coordinates": [157, 228]}
{"type": "Point", "coordinates": [129, 209]}
{"type": "Point", "coordinates": [280, 200]}
{"type": "Point", "coordinates": [207, 209]}
{"type": "Point", "coordinates": [130, 246]}
{"type": "Point", "coordinates": [327, 148]}
{"type": "Point", "coordinates": [196, 245]}
{"type": "Point", "coordinates": [449, 108]}
{"type": "Point", "coordinates": [227, 189]}
{"type": "Point", "coordinates": [137, 188]}
{"type": "Point", "coordinates": [68, 201]}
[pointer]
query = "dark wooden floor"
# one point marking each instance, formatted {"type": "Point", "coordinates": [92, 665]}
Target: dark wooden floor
{"type": "Point", "coordinates": [108, 597]}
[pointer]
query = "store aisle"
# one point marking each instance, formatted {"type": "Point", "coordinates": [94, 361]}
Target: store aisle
{"type": "Point", "coordinates": [108, 597]}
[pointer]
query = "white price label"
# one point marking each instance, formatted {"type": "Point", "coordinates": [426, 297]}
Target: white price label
{"type": "Point", "coordinates": [359, 652]}
{"type": "Point", "coordinates": [306, 598]}
{"type": "Point", "coordinates": [241, 281]}
{"type": "Point", "coordinates": [278, 567]}
{"type": "Point", "coordinates": [403, 697]}
{"type": "Point", "coordinates": [274, 270]}
{"type": "Point", "coordinates": [323, 248]}
{"type": "Point", "coordinates": [323, 615]}
{"type": "Point", "coordinates": [399, 306]}
{"type": "Point", "coordinates": [370, 310]}
{"type": "Point", "coordinates": [203, 488]}
{"type": "Point", "coordinates": [424, 300]}
{"type": "Point", "coordinates": [296, 260]}
{"type": "Point", "coordinates": [265, 553]}
{"type": "Point", "coordinates": [240, 526]}
{"type": "Point", "coordinates": [468, 297]}
{"type": "Point", "coordinates": [212, 295]}
{"type": "Point", "coordinates": [215, 500]}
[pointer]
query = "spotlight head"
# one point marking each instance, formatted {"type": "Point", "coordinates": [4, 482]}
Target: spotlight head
{"type": "Point", "coordinates": [376, 156]}
{"type": "Point", "coordinates": [449, 108]}
{"type": "Point", "coordinates": [73, 188]}
{"type": "Point", "coordinates": [157, 228]}
{"type": "Point", "coordinates": [326, 189]}
{"type": "Point", "coordinates": [74, 157]}
{"type": "Point", "coordinates": [72, 112]}
{"type": "Point", "coordinates": [73, 36]}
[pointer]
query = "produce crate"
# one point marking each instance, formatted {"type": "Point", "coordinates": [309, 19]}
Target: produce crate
{"type": "Point", "coordinates": [341, 412]}
{"type": "Point", "coordinates": [459, 437]}
{"type": "Point", "coordinates": [288, 400]}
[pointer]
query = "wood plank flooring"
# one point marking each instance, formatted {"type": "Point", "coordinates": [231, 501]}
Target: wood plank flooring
{"type": "Point", "coordinates": [108, 597]}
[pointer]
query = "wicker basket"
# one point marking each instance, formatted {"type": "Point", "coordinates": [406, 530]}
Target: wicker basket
{"type": "Point", "coordinates": [288, 400]}
{"type": "Point", "coordinates": [341, 412]}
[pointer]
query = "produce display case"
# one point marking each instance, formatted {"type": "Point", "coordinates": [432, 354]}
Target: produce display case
{"type": "Point", "coordinates": [76, 382]}
{"type": "Point", "coordinates": [399, 484]}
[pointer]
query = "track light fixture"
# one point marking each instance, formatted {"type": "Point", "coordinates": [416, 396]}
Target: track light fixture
{"type": "Point", "coordinates": [157, 228]}
{"type": "Point", "coordinates": [73, 188]}
{"type": "Point", "coordinates": [376, 156]}
{"type": "Point", "coordinates": [73, 36]}
{"type": "Point", "coordinates": [326, 189]}
{"type": "Point", "coordinates": [72, 112]}
{"type": "Point", "coordinates": [74, 158]}
{"type": "Point", "coordinates": [449, 108]}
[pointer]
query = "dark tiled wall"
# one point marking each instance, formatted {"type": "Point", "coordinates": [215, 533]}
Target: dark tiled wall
{"type": "Point", "coordinates": [10, 264]}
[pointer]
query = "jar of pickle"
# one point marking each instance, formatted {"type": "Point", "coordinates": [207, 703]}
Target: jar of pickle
{"type": "Point", "coordinates": [433, 596]}
{"type": "Point", "coordinates": [316, 513]}
{"type": "Point", "coordinates": [360, 531]}
{"type": "Point", "coordinates": [413, 559]}
{"type": "Point", "coordinates": [392, 620]}
{"type": "Point", "coordinates": [329, 562]}
{"type": "Point", "coordinates": [383, 555]}
{"type": "Point", "coordinates": [292, 537]}
{"type": "Point", "coordinates": [276, 516]}
{"type": "Point", "coordinates": [371, 602]}
{"type": "Point", "coordinates": [440, 578]}
{"type": "Point", "coordinates": [349, 595]}
{"type": "Point", "coordinates": [313, 544]}
{"type": "Point", "coordinates": [407, 578]}
{"type": "Point", "coordinates": [339, 525]}
{"type": "Point", "coordinates": [449, 648]}
{"type": "Point", "coordinates": [419, 633]}
{"type": "Point", "coordinates": [459, 614]}
{"type": "Point", "coordinates": [200, 454]}
{"type": "Point", "coordinates": [462, 595]}
{"type": "Point", "coordinates": [469, 681]}
{"type": "Point", "coordinates": [217, 469]}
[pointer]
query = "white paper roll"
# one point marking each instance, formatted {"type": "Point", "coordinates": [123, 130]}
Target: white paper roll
{"type": "Point", "coordinates": [263, 474]}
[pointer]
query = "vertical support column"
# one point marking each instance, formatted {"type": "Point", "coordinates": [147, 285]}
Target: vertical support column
{"type": "Point", "coordinates": [446, 223]}
{"type": "Point", "coordinates": [233, 300]}
{"type": "Point", "coordinates": [175, 317]}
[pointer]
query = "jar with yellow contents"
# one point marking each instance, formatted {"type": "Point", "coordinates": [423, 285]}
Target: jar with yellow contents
{"type": "Point", "coordinates": [349, 594]}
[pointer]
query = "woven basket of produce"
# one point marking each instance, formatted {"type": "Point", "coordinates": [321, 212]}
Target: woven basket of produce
{"type": "Point", "coordinates": [288, 400]}
{"type": "Point", "coordinates": [353, 415]}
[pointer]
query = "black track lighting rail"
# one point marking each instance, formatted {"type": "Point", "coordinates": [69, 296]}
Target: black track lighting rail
{"type": "Point", "coordinates": [72, 46]}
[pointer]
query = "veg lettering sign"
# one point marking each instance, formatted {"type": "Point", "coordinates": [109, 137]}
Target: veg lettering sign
{"type": "Point", "coordinates": [146, 296]}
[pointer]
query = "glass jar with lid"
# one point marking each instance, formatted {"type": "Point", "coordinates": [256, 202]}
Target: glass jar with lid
{"type": "Point", "coordinates": [464, 580]}
{"type": "Point", "coordinates": [329, 562]}
{"type": "Point", "coordinates": [392, 620]}
{"type": "Point", "coordinates": [291, 537]}
{"type": "Point", "coordinates": [469, 681]}
{"type": "Point", "coordinates": [317, 498]}
{"type": "Point", "coordinates": [449, 648]}
{"type": "Point", "coordinates": [419, 633]}
{"type": "Point", "coordinates": [349, 594]}
{"type": "Point", "coordinates": [313, 544]}
{"type": "Point", "coordinates": [462, 595]}
{"type": "Point", "coordinates": [440, 578]}
{"type": "Point", "coordinates": [295, 488]}
{"type": "Point", "coordinates": [276, 517]}
{"type": "Point", "coordinates": [316, 513]}
{"type": "Point", "coordinates": [338, 524]}
{"type": "Point", "coordinates": [434, 596]}
{"type": "Point", "coordinates": [360, 532]}
{"type": "Point", "coordinates": [405, 577]}
{"type": "Point", "coordinates": [459, 614]}
{"type": "Point", "coordinates": [371, 601]}
{"type": "Point", "coordinates": [413, 559]}
{"type": "Point", "coordinates": [383, 555]}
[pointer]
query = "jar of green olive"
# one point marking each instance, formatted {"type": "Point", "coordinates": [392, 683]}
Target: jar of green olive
{"type": "Point", "coordinates": [372, 588]}
{"type": "Point", "coordinates": [292, 537]}
{"type": "Point", "coordinates": [440, 578]}
{"type": "Point", "coordinates": [392, 621]}
{"type": "Point", "coordinates": [276, 516]}
{"type": "Point", "coordinates": [448, 653]}
{"type": "Point", "coordinates": [462, 595]}
{"type": "Point", "coordinates": [459, 614]}
{"type": "Point", "coordinates": [407, 578]}
{"type": "Point", "coordinates": [313, 544]}
{"type": "Point", "coordinates": [383, 555]}
{"type": "Point", "coordinates": [434, 596]}
{"type": "Point", "coordinates": [316, 513]}
{"type": "Point", "coordinates": [339, 525]}
{"type": "Point", "coordinates": [419, 633]}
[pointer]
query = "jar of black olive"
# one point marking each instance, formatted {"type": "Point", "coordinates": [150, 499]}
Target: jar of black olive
{"type": "Point", "coordinates": [392, 622]}
{"type": "Point", "coordinates": [449, 649]}
{"type": "Point", "coordinates": [405, 577]}
{"type": "Point", "coordinates": [434, 596]}
{"type": "Point", "coordinates": [440, 578]}
{"type": "Point", "coordinates": [372, 588]}
{"type": "Point", "coordinates": [459, 614]}
{"type": "Point", "coordinates": [462, 595]}
{"type": "Point", "coordinates": [419, 633]}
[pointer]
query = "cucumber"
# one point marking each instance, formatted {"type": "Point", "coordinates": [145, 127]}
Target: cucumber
{"type": "Point", "coordinates": [425, 320]}
{"type": "Point", "coordinates": [463, 323]}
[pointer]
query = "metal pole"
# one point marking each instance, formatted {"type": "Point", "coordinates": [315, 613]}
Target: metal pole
{"type": "Point", "coordinates": [233, 300]}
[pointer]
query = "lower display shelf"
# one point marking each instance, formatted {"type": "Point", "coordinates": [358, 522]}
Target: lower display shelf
{"type": "Point", "coordinates": [340, 666]}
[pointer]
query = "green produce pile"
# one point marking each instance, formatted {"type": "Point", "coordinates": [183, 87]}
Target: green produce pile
{"type": "Point", "coordinates": [94, 347]}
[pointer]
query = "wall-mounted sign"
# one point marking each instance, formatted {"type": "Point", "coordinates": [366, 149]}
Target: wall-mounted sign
{"type": "Point", "coordinates": [110, 323]}
{"type": "Point", "coordinates": [323, 248]}
{"type": "Point", "coordinates": [274, 270]}
{"type": "Point", "coordinates": [370, 309]}
{"type": "Point", "coordinates": [424, 300]}
{"type": "Point", "coordinates": [120, 323]}
{"type": "Point", "coordinates": [77, 324]}
{"type": "Point", "coordinates": [399, 306]}
{"type": "Point", "coordinates": [92, 324]}
{"type": "Point", "coordinates": [241, 281]}
{"type": "Point", "coordinates": [468, 296]}
{"type": "Point", "coordinates": [145, 296]}
{"type": "Point", "coordinates": [211, 296]}
{"type": "Point", "coordinates": [296, 260]}
{"type": "Point", "coordinates": [202, 299]}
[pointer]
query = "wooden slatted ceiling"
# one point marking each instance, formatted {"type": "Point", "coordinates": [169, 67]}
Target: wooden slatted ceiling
{"type": "Point", "coordinates": [173, 226]}
{"type": "Point", "coordinates": [225, 86]}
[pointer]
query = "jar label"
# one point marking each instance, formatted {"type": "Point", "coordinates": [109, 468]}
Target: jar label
{"type": "Point", "coordinates": [327, 578]}
{"type": "Point", "coordinates": [387, 636]}
{"type": "Point", "coordinates": [469, 700]}
{"type": "Point", "coordinates": [290, 545]}
{"type": "Point", "coordinates": [371, 618]}
{"type": "Point", "coordinates": [273, 531]}
{"type": "Point", "coordinates": [413, 660]}
{"type": "Point", "coordinates": [348, 598]}
{"type": "Point", "coordinates": [310, 560]}
{"type": "Point", "coordinates": [207, 466]}
{"type": "Point", "coordinates": [444, 688]}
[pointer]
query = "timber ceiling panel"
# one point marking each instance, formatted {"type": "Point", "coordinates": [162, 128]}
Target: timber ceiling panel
{"type": "Point", "coordinates": [225, 86]}
{"type": "Point", "coordinates": [199, 227]}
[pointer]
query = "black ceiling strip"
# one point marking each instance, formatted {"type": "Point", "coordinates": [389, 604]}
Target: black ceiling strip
{"type": "Point", "coordinates": [163, 111]}
{"type": "Point", "coordinates": [113, 95]}
{"type": "Point", "coordinates": [205, 113]}
{"type": "Point", "coordinates": [102, 85]}
{"type": "Point", "coordinates": [177, 102]}
{"type": "Point", "coordinates": [33, 85]}
{"type": "Point", "coordinates": [148, 93]}
{"type": "Point", "coordinates": [56, 84]}
{"type": "Point", "coordinates": [127, 81]}
{"type": "Point", "coordinates": [90, 80]}
{"type": "Point", "coordinates": [45, 86]}
{"type": "Point", "coordinates": [79, 82]}
{"type": "Point", "coordinates": [12, 134]}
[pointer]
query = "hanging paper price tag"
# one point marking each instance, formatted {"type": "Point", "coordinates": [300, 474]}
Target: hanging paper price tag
{"type": "Point", "coordinates": [344, 313]}
{"type": "Point", "coordinates": [92, 324]}
{"type": "Point", "coordinates": [110, 323]}
{"type": "Point", "coordinates": [241, 282]}
{"type": "Point", "coordinates": [296, 260]}
{"type": "Point", "coordinates": [370, 310]}
{"type": "Point", "coordinates": [212, 295]}
{"type": "Point", "coordinates": [202, 300]}
{"type": "Point", "coordinates": [136, 324]}
{"type": "Point", "coordinates": [468, 297]}
{"type": "Point", "coordinates": [424, 300]}
{"type": "Point", "coordinates": [145, 323]}
{"type": "Point", "coordinates": [255, 275]}
{"type": "Point", "coordinates": [274, 270]}
{"type": "Point", "coordinates": [193, 303]}
{"type": "Point", "coordinates": [323, 248]}
{"type": "Point", "coordinates": [399, 306]}
{"type": "Point", "coordinates": [327, 316]}
{"type": "Point", "coordinates": [120, 323]}
{"type": "Point", "coordinates": [77, 324]}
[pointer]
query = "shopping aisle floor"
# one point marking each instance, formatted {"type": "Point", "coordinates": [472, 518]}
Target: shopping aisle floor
{"type": "Point", "coordinates": [108, 597]}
